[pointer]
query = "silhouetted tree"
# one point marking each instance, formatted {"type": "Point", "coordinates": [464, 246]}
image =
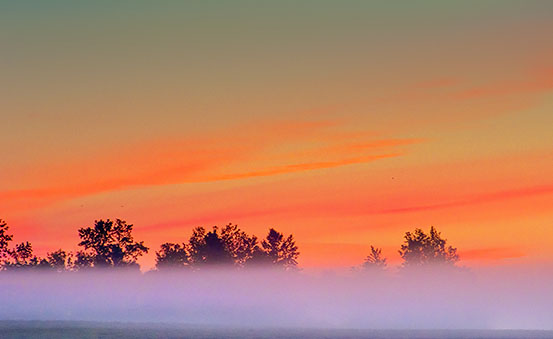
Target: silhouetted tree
{"type": "Point", "coordinates": [207, 248]}
{"type": "Point", "coordinates": [276, 250]}
{"type": "Point", "coordinates": [239, 244]}
{"type": "Point", "coordinates": [22, 257]}
{"type": "Point", "coordinates": [195, 244]}
{"type": "Point", "coordinates": [22, 254]}
{"type": "Point", "coordinates": [81, 260]}
{"type": "Point", "coordinates": [375, 260]}
{"type": "Point", "coordinates": [260, 258]}
{"type": "Point", "coordinates": [58, 260]}
{"type": "Point", "coordinates": [5, 240]}
{"type": "Point", "coordinates": [19, 257]}
{"type": "Point", "coordinates": [172, 256]}
{"type": "Point", "coordinates": [229, 246]}
{"type": "Point", "coordinates": [421, 249]}
{"type": "Point", "coordinates": [109, 244]}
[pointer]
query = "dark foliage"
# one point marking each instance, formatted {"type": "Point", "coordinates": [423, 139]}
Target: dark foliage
{"type": "Point", "coordinates": [421, 249]}
{"type": "Point", "coordinates": [5, 239]}
{"type": "Point", "coordinates": [172, 256]}
{"type": "Point", "coordinates": [58, 260]}
{"type": "Point", "coordinates": [109, 244]}
{"type": "Point", "coordinates": [276, 250]}
{"type": "Point", "coordinates": [229, 247]}
{"type": "Point", "coordinates": [375, 260]}
{"type": "Point", "coordinates": [81, 260]}
{"type": "Point", "coordinates": [239, 244]}
{"type": "Point", "coordinates": [208, 249]}
{"type": "Point", "coordinates": [22, 257]}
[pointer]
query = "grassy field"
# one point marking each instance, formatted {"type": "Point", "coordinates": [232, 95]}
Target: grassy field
{"type": "Point", "coordinates": [40, 329]}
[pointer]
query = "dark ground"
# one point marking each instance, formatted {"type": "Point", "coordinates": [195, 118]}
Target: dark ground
{"type": "Point", "coordinates": [59, 329]}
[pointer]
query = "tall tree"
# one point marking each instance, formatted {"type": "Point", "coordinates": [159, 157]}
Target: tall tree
{"type": "Point", "coordinates": [58, 260]}
{"type": "Point", "coordinates": [375, 260]}
{"type": "Point", "coordinates": [172, 256]}
{"type": "Point", "coordinates": [208, 249]}
{"type": "Point", "coordinates": [110, 244]}
{"type": "Point", "coordinates": [81, 260]}
{"type": "Point", "coordinates": [238, 243]}
{"type": "Point", "coordinates": [5, 240]}
{"type": "Point", "coordinates": [19, 257]}
{"type": "Point", "coordinates": [276, 250]}
{"type": "Point", "coordinates": [22, 257]}
{"type": "Point", "coordinates": [421, 249]}
{"type": "Point", "coordinates": [229, 246]}
{"type": "Point", "coordinates": [195, 244]}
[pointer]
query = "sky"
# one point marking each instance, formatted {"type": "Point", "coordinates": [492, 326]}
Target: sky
{"type": "Point", "coordinates": [344, 123]}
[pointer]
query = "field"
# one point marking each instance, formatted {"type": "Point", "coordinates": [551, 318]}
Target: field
{"type": "Point", "coordinates": [56, 329]}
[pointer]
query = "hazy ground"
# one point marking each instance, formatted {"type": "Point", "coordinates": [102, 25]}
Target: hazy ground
{"type": "Point", "coordinates": [55, 329]}
{"type": "Point", "coordinates": [268, 304]}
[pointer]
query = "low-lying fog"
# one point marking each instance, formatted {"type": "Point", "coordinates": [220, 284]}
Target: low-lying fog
{"type": "Point", "coordinates": [504, 299]}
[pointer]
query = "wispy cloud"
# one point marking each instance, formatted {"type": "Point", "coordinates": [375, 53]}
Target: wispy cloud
{"type": "Point", "coordinates": [491, 254]}
{"type": "Point", "coordinates": [343, 207]}
{"type": "Point", "coordinates": [254, 151]}
{"type": "Point", "coordinates": [473, 200]}
{"type": "Point", "coordinates": [535, 82]}
{"type": "Point", "coordinates": [300, 167]}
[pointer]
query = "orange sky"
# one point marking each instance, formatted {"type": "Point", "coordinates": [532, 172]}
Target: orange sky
{"type": "Point", "coordinates": [344, 124]}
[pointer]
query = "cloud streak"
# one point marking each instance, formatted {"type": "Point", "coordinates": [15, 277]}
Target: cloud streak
{"type": "Point", "coordinates": [255, 153]}
{"type": "Point", "coordinates": [343, 207]}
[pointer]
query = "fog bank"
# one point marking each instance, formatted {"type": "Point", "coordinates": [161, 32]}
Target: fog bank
{"type": "Point", "coordinates": [505, 299]}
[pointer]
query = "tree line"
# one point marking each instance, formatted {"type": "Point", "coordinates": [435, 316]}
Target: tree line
{"type": "Point", "coordinates": [418, 250]}
{"type": "Point", "coordinates": [110, 244]}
